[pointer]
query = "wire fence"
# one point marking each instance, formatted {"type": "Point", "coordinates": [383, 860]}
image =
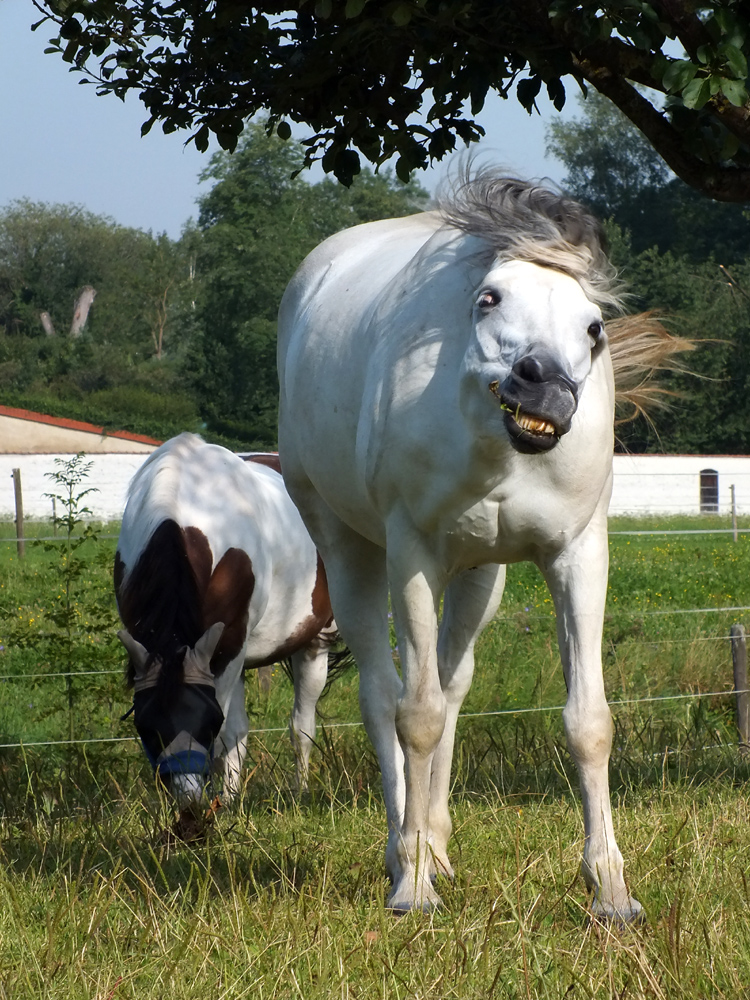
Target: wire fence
{"type": "Point", "coordinates": [505, 619]}
{"type": "Point", "coordinates": [29, 539]}
{"type": "Point", "coordinates": [358, 724]}
{"type": "Point", "coordinates": [502, 620]}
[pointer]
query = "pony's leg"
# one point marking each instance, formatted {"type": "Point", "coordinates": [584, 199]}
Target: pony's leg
{"type": "Point", "coordinates": [577, 579]}
{"type": "Point", "coordinates": [309, 671]}
{"type": "Point", "coordinates": [231, 743]}
{"type": "Point", "coordinates": [470, 602]}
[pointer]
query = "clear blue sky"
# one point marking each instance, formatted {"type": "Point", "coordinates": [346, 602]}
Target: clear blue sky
{"type": "Point", "coordinates": [61, 143]}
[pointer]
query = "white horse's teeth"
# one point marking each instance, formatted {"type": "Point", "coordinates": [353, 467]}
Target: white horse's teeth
{"type": "Point", "coordinates": [534, 424]}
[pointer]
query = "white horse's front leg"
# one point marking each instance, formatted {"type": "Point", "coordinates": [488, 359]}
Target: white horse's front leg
{"type": "Point", "coordinates": [470, 601]}
{"type": "Point", "coordinates": [577, 579]}
{"type": "Point", "coordinates": [310, 671]}
{"type": "Point", "coordinates": [420, 712]}
{"type": "Point", "coordinates": [231, 743]}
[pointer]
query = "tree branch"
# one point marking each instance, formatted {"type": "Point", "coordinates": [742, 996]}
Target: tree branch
{"type": "Point", "coordinates": [688, 26]}
{"type": "Point", "coordinates": [721, 183]}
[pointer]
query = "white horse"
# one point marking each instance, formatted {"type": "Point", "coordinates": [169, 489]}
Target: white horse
{"type": "Point", "coordinates": [215, 572]}
{"type": "Point", "coordinates": [447, 404]}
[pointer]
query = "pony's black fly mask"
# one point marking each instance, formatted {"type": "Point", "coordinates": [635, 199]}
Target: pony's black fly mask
{"type": "Point", "coordinates": [178, 729]}
{"type": "Point", "coordinates": [177, 721]}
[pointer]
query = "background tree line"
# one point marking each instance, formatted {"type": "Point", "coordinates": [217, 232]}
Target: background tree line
{"type": "Point", "coordinates": [181, 333]}
{"type": "Point", "coordinates": [680, 254]}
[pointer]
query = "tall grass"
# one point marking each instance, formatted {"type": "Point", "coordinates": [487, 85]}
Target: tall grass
{"type": "Point", "coordinates": [286, 897]}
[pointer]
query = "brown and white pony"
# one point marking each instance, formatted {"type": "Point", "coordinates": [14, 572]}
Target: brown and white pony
{"type": "Point", "coordinates": [215, 572]}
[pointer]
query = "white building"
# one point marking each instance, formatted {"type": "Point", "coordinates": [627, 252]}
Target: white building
{"type": "Point", "coordinates": [32, 442]}
{"type": "Point", "coordinates": [680, 484]}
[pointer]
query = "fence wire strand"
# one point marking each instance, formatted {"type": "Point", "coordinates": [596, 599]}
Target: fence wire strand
{"type": "Point", "coordinates": [694, 695]}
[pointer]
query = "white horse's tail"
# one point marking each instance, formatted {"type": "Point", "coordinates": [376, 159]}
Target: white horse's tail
{"type": "Point", "coordinates": [641, 347]}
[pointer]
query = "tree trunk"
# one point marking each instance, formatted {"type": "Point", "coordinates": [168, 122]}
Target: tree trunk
{"type": "Point", "coordinates": [81, 311]}
{"type": "Point", "coordinates": [47, 323]}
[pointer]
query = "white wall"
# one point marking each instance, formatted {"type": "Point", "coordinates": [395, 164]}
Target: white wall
{"type": "Point", "coordinates": [109, 475]}
{"type": "Point", "coordinates": [643, 484]}
{"type": "Point", "coordinates": [670, 484]}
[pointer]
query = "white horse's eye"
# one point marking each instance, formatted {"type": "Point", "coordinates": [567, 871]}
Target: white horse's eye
{"type": "Point", "coordinates": [487, 299]}
{"type": "Point", "coordinates": [595, 330]}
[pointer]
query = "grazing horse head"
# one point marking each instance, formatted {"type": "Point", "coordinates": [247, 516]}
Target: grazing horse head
{"type": "Point", "coordinates": [177, 715]}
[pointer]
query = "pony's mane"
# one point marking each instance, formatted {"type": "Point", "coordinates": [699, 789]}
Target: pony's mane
{"type": "Point", "coordinates": [518, 220]}
{"type": "Point", "coordinates": [160, 603]}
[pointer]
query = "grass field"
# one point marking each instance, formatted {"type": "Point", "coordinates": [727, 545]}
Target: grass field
{"type": "Point", "coordinates": [285, 898]}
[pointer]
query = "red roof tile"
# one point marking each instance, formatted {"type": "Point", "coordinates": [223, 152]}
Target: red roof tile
{"type": "Point", "coordinates": [73, 425]}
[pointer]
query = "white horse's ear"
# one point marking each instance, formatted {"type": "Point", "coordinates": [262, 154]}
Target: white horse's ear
{"type": "Point", "coordinates": [138, 653]}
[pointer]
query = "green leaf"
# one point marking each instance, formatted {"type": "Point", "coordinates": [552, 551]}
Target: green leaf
{"type": "Point", "coordinates": [346, 165]}
{"type": "Point", "coordinates": [730, 147]}
{"type": "Point", "coordinates": [323, 9]}
{"type": "Point", "coordinates": [678, 75]}
{"type": "Point", "coordinates": [401, 15]}
{"type": "Point", "coordinates": [556, 93]}
{"type": "Point", "coordinates": [201, 139]}
{"type": "Point", "coordinates": [527, 91]}
{"type": "Point", "coordinates": [697, 93]}
{"type": "Point", "coordinates": [736, 60]}
{"type": "Point", "coordinates": [354, 7]}
{"type": "Point", "coordinates": [70, 28]}
{"type": "Point", "coordinates": [729, 26]}
{"type": "Point", "coordinates": [403, 170]}
{"type": "Point", "coordinates": [734, 91]}
{"type": "Point", "coordinates": [70, 50]}
{"type": "Point", "coordinates": [284, 130]}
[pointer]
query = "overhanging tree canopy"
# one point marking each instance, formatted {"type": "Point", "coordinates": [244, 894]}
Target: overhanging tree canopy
{"type": "Point", "coordinates": [356, 72]}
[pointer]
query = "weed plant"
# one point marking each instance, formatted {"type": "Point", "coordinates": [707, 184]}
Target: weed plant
{"type": "Point", "coordinates": [286, 896]}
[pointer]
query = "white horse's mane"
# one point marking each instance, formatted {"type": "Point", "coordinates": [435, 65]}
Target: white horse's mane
{"type": "Point", "coordinates": [519, 220]}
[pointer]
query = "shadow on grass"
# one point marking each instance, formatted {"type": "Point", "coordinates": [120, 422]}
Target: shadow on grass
{"type": "Point", "coordinates": [97, 814]}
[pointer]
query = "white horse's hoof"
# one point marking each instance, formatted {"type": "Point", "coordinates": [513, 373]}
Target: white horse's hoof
{"type": "Point", "coordinates": [404, 897]}
{"type": "Point", "coordinates": [628, 914]}
{"type": "Point", "coordinates": [440, 865]}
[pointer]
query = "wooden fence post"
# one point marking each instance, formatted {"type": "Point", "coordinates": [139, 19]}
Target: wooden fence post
{"type": "Point", "coordinates": [21, 544]}
{"type": "Point", "coordinates": [264, 678]}
{"type": "Point", "coordinates": [739, 663]}
{"type": "Point", "coordinates": [734, 513]}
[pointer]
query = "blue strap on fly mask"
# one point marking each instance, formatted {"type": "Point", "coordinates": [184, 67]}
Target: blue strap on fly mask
{"type": "Point", "coordinates": [193, 761]}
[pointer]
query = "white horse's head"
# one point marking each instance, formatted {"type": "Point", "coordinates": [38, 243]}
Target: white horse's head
{"type": "Point", "coordinates": [535, 334]}
{"type": "Point", "coordinates": [536, 320]}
